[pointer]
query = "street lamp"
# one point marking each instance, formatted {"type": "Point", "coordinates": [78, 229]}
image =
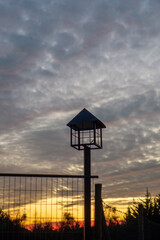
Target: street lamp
{"type": "Point", "coordinates": [86, 134]}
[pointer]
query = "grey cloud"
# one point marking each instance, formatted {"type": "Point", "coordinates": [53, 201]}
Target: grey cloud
{"type": "Point", "coordinates": [28, 45]}
{"type": "Point", "coordinates": [66, 46]}
{"type": "Point", "coordinates": [133, 105]}
{"type": "Point", "coordinates": [40, 144]}
{"type": "Point", "coordinates": [134, 168]}
{"type": "Point", "coordinates": [58, 57]}
{"type": "Point", "coordinates": [133, 180]}
{"type": "Point", "coordinates": [47, 74]}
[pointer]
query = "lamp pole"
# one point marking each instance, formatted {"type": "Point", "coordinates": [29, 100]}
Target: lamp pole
{"type": "Point", "coordinates": [87, 192]}
{"type": "Point", "coordinates": [86, 134]}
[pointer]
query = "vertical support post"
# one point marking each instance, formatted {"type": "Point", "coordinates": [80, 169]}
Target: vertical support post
{"type": "Point", "coordinates": [87, 193]}
{"type": "Point", "coordinates": [79, 140]}
{"type": "Point", "coordinates": [141, 223]}
{"type": "Point", "coordinates": [95, 133]}
{"type": "Point", "coordinates": [101, 137]}
{"type": "Point", "coordinates": [71, 136]}
{"type": "Point", "coordinates": [98, 212]}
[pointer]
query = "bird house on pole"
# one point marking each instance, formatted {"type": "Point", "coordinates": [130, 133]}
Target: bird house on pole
{"type": "Point", "coordinates": [86, 131]}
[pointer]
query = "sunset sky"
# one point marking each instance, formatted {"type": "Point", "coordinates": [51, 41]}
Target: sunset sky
{"type": "Point", "coordinates": [58, 57]}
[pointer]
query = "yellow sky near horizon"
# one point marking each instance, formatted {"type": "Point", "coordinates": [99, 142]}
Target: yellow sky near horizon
{"type": "Point", "coordinates": [53, 209]}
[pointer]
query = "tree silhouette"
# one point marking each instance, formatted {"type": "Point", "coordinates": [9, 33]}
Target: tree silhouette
{"type": "Point", "coordinates": [151, 209]}
{"type": "Point", "coordinates": [151, 216]}
{"type": "Point", "coordinates": [9, 228]}
{"type": "Point", "coordinates": [69, 223]}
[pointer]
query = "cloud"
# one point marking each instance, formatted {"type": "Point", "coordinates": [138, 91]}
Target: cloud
{"type": "Point", "coordinates": [57, 57]}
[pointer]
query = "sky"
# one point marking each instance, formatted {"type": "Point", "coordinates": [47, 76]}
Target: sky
{"type": "Point", "coordinates": [60, 56]}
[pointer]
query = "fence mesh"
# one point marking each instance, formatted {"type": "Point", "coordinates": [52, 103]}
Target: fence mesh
{"type": "Point", "coordinates": [38, 204]}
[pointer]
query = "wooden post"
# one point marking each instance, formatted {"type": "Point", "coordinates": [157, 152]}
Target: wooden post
{"type": "Point", "coordinates": [141, 222]}
{"type": "Point", "coordinates": [98, 212]}
{"type": "Point", "coordinates": [87, 193]}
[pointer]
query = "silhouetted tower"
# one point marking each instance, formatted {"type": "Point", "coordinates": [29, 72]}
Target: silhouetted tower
{"type": "Point", "coordinates": [86, 134]}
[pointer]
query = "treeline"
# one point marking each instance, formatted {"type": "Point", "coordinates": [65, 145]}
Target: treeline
{"type": "Point", "coordinates": [142, 221]}
{"type": "Point", "coordinates": [12, 229]}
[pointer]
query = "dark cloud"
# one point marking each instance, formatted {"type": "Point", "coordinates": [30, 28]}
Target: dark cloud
{"type": "Point", "coordinates": [57, 57]}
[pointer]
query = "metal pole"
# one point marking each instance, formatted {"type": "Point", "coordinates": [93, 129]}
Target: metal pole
{"type": "Point", "coordinates": [98, 212]}
{"type": "Point", "coordinates": [141, 222]}
{"type": "Point", "coordinates": [87, 193]}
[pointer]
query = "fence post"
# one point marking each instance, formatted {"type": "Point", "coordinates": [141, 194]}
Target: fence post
{"type": "Point", "coordinates": [141, 222]}
{"type": "Point", "coordinates": [98, 212]}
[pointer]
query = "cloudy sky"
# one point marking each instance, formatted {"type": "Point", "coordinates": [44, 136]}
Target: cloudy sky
{"type": "Point", "coordinates": [60, 56]}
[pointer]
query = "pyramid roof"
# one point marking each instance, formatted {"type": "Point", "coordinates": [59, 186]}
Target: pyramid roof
{"type": "Point", "coordinates": [85, 121]}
